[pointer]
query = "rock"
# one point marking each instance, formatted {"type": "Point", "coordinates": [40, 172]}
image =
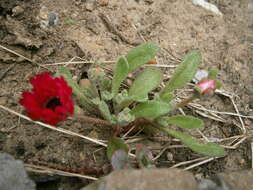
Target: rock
{"type": "Point", "coordinates": [21, 34]}
{"type": "Point", "coordinates": [238, 180]}
{"type": "Point", "coordinates": [250, 6]}
{"type": "Point", "coordinates": [228, 181]}
{"type": "Point", "coordinates": [208, 6]}
{"type": "Point", "coordinates": [18, 10]}
{"type": "Point", "coordinates": [89, 6]}
{"type": "Point", "coordinates": [52, 18]}
{"type": "Point", "coordinates": [146, 179]}
{"type": "Point", "coordinates": [13, 175]}
{"type": "Point", "coordinates": [43, 13]}
{"type": "Point", "coordinates": [207, 184]}
{"type": "Point", "coordinates": [47, 18]}
{"type": "Point", "coordinates": [3, 100]}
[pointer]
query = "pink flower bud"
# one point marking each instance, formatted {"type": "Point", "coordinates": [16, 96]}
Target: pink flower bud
{"type": "Point", "coordinates": [206, 86]}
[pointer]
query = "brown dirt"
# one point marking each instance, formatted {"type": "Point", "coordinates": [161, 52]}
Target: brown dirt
{"type": "Point", "coordinates": [177, 26]}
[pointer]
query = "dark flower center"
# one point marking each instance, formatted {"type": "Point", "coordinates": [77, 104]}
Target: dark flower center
{"type": "Point", "coordinates": [53, 103]}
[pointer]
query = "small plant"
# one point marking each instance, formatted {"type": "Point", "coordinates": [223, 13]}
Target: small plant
{"type": "Point", "coordinates": [144, 102]}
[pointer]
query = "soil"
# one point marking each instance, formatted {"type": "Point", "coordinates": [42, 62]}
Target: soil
{"type": "Point", "coordinates": [95, 31]}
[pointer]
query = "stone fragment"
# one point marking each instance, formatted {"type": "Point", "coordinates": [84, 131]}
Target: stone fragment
{"type": "Point", "coordinates": [146, 179]}
{"type": "Point", "coordinates": [18, 10]}
{"type": "Point", "coordinates": [238, 180]}
{"type": "Point", "coordinates": [13, 175]}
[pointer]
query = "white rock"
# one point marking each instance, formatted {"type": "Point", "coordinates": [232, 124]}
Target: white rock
{"type": "Point", "coordinates": [208, 6]}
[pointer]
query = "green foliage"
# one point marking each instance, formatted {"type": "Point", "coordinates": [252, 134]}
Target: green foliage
{"type": "Point", "coordinates": [141, 55]}
{"type": "Point", "coordinates": [123, 106]}
{"type": "Point", "coordinates": [125, 117]}
{"type": "Point", "coordinates": [104, 110]}
{"type": "Point", "coordinates": [135, 58]}
{"type": "Point", "coordinates": [120, 73]}
{"type": "Point", "coordinates": [167, 98]}
{"type": "Point", "coordinates": [151, 109]}
{"type": "Point", "coordinates": [148, 80]}
{"type": "Point", "coordinates": [115, 144]}
{"type": "Point", "coordinates": [184, 72]}
{"type": "Point", "coordinates": [213, 73]}
{"type": "Point", "coordinates": [208, 149]}
{"type": "Point", "coordinates": [186, 122]}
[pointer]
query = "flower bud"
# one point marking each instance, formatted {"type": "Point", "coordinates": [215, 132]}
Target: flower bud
{"type": "Point", "coordinates": [206, 86]}
{"type": "Point", "coordinates": [96, 74]}
{"type": "Point", "coordinates": [124, 117]}
{"type": "Point", "coordinates": [85, 83]}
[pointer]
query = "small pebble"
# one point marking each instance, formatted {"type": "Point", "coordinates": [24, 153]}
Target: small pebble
{"type": "Point", "coordinates": [3, 100]}
{"type": "Point", "coordinates": [43, 14]}
{"type": "Point", "coordinates": [89, 6]}
{"type": "Point", "coordinates": [17, 11]}
{"type": "Point", "coordinates": [170, 156]}
{"type": "Point", "coordinates": [200, 75]}
{"type": "Point", "coordinates": [52, 18]}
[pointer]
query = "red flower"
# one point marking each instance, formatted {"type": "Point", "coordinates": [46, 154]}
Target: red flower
{"type": "Point", "coordinates": [50, 99]}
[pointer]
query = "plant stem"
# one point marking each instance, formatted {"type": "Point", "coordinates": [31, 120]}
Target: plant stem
{"type": "Point", "coordinates": [185, 101]}
{"type": "Point", "coordinates": [95, 121]}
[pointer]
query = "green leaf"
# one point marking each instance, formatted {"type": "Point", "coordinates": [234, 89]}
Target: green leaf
{"type": "Point", "coordinates": [105, 84]}
{"type": "Point", "coordinates": [102, 106]}
{"type": "Point", "coordinates": [104, 109]}
{"type": "Point", "coordinates": [123, 104]}
{"type": "Point", "coordinates": [135, 58]}
{"type": "Point", "coordinates": [120, 73]}
{"type": "Point", "coordinates": [218, 84]}
{"type": "Point", "coordinates": [213, 73]}
{"type": "Point", "coordinates": [78, 110]}
{"type": "Point", "coordinates": [114, 144]}
{"type": "Point", "coordinates": [186, 122]}
{"type": "Point", "coordinates": [105, 95]}
{"type": "Point", "coordinates": [208, 149]}
{"type": "Point", "coordinates": [141, 55]}
{"type": "Point", "coordinates": [151, 109]}
{"type": "Point", "coordinates": [148, 80]}
{"type": "Point", "coordinates": [124, 117]}
{"type": "Point", "coordinates": [167, 98]}
{"type": "Point", "coordinates": [184, 72]}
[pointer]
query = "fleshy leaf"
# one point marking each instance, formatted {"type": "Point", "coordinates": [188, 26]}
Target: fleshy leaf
{"type": "Point", "coordinates": [106, 95]}
{"type": "Point", "coordinates": [124, 117]}
{"type": "Point", "coordinates": [186, 122]}
{"type": "Point", "coordinates": [167, 98]}
{"type": "Point", "coordinates": [184, 72]}
{"type": "Point", "coordinates": [104, 109]}
{"type": "Point", "coordinates": [141, 55]}
{"type": "Point", "coordinates": [151, 109]}
{"type": "Point", "coordinates": [105, 84]}
{"type": "Point", "coordinates": [114, 144]}
{"type": "Point", "coordinates": [148, 80]}
{"type": "Point", "coordinates": [120, 73]}
{"type": "Point", "coordinates": [78, 110]}
{"type": "Point", "coordinates": [119, 160]}
{"type": "Point", "coordinates": [213, 73]}
{"type": "Point", "coordinates": [135, 58]}
{"type": "Point", "coordinates": [208, 149]}
{"type": "Point", "coordinates": [144, 156]}
{"type": "Point", "coordinates": [218, 84]}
